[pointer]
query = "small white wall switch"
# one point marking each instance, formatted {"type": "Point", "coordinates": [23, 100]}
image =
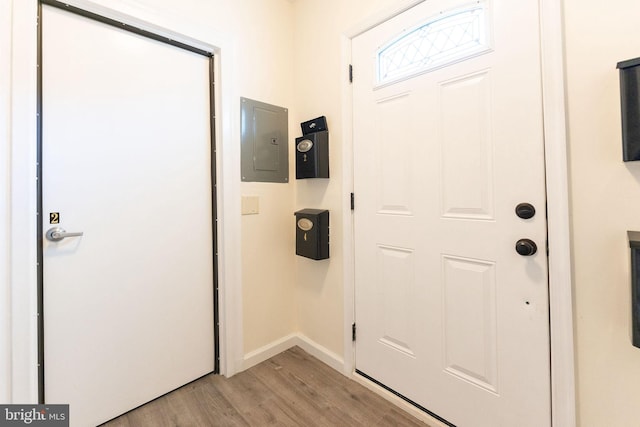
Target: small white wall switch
{"type": "Point", "coordinates": [250, 205]}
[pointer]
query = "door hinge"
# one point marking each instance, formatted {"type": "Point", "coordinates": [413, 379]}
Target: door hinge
{"type": "Point", "coordinates": [350, 73]}
{"type": "Point", "coordinates": [353, 332]}
{"type": "Point", "coordinates": [353, 201]}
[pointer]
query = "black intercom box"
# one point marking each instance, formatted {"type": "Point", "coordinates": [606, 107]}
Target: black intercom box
{"type": "Point", "coordinates": [312, 149]}
{"type": "Point", "coordinates": [312, 233]}
{"type": "Point", "coordinates": [315, 125]}
{"type": "Point", "coordinates": [312, 155]}
{"type": "Point", "coordinates": [634, 243]}
{"type": "Point", "coordinates": [630, 108]}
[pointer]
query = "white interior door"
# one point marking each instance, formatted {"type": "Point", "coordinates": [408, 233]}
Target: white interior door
{"type": "Point", "coordinates": [448, 140]}
{"type": "Point", "coordinates": [128, 306]}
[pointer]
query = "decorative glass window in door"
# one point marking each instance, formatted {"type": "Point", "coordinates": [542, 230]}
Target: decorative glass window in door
{"type": "Point", "coordinates": [443, 39]}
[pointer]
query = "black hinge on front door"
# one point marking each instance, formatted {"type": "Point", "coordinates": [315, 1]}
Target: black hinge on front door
{"type": "Point", "coordinates": [353, 332]}
{"type": "Point", "coordinates": [350, 73]}
{"type": "Point", "coordinates": [353, 201]}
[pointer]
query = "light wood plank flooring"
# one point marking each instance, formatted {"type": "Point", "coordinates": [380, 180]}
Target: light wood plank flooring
{"type": "Point", "coordinates": [290, 389]}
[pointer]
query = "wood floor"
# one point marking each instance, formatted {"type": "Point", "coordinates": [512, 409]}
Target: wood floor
{"type": "Point", "coordinates": [290, 389]}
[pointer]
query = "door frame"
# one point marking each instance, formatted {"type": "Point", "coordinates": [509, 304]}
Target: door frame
{"type": "Point", "coordinates": [18, 286]}
{"type": "Point", "coordinates": [563, 392]}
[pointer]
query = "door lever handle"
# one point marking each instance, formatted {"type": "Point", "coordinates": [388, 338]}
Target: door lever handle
{"type": "Point", "coordinates": [56, 234]}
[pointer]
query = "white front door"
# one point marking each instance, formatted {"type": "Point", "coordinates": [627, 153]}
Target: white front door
{"type": "Point", "coordinates": [128, 306]}
{"type": "Point", "coordinates": [447, 142]}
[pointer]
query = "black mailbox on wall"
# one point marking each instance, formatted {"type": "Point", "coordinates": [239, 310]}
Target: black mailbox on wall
{"type": "Point", "coordinates": [312, 233]}
{"type": "Point", "coordinates": [630, 108]}
{"type": "Point", "coordinates": [634, 243]}
{"type": "Point", "coordinates": [312, 150]}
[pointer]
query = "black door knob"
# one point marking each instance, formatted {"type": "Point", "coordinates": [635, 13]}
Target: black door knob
{"type": "Point", "coordinates": [525, 210]}
{"type": "Point", "coordinates": [526, 247]}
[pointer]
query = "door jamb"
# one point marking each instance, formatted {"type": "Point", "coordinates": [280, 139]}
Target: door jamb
{"type": "Point", "coordinates": [563, 386]}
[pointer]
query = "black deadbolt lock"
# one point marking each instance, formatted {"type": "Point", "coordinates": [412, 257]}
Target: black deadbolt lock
{"type": "Point", "coordinates": [526, 247]}
{"type": "Point", "coordinates": [525, 210]}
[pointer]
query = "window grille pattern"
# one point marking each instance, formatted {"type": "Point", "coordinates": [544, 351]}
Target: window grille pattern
{"type": "Point", "coordinates": [442, 40]}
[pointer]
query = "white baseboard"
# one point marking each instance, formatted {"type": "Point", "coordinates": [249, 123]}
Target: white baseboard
{"type": "Point", "coordinates": [276, 347]}
{"type": "Point", "coordinates": [268, 351]}
{"type": "Point", "coordinates": [321, 353]}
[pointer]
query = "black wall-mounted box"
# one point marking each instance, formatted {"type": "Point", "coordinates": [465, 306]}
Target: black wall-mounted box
{"type": "Point", "coordinates": [316, 125]}
{"type": "Point", "coordinates": [630, 108]}
{"type": "Point", "coordinates": [312, 155]}
{"type": "Point", "coordinates": [634, 243]}
{"type": "Point", "coordinates": [312, 233]}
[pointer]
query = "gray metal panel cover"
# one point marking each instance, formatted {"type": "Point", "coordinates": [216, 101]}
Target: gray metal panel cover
{"type": "Point", "coordinates": [265, 137]}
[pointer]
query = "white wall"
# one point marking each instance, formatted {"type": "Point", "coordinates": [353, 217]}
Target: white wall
{"type": "Point", "coordinates": [20, 277]}
{"type": "Point", "coordinates": [5, 152]}
{"type": "Point", "coordinates": [605, 204]}
{"type": "Point", "coordinates": [320, 28]}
